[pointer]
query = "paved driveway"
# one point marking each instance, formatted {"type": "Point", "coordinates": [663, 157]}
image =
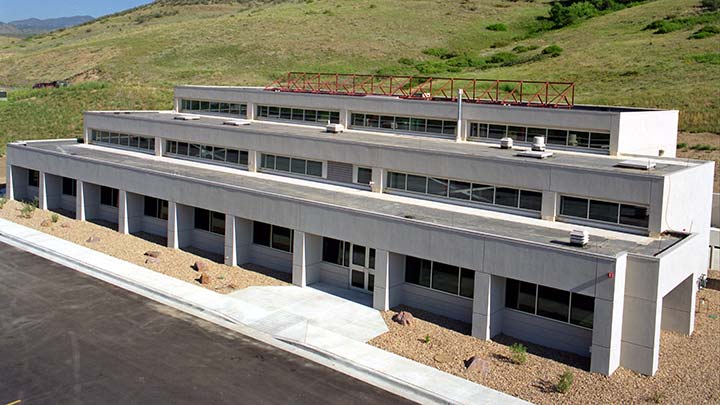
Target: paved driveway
{"type": "Point", "coordinates": [66, 338]}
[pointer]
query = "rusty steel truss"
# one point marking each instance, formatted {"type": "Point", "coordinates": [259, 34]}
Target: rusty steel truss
{"type": "Point", "coordinates": [504, 92]}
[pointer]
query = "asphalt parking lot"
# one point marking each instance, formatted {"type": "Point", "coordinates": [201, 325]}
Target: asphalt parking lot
{"type": "Point", "coordinates": [66, 338]}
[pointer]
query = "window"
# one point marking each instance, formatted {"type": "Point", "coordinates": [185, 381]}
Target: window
{"type": "Point", "coordinates": [582, 309]}
{"type": "Point", "coordinates": [440, 276]}
{"type": "Point", "coordinates": [364, 175]}
{"type": "Point", "coordinates": [463, 190]}
{"type": "Point", "coordinates": [213, 107]}
{"type": "Point", "coordinates": [142, 143]}
{"type": "Point", "coordinates": [210, 221]}
{"type": "Point", "coordinates": [604, 211]}
{"type": "Point", "coordinates": [33, 178]}
{"type": "Point", "coordinates": [403, 124]}
{"type": "Point", "coordinates": [552, 303]}
{"type": "Point", "coordinates": [298, 114]}
{"type": "Point", "coordinates": [333, 251]}
{"type": "Point", "coordinates": [520, 295]}
{"type": "Point", "coordinates": [292, 165]}
{"type": "Point", "coordinates": [563, 137]}
{"type": "Point", "coordinates": [273, 236]}
{"type": "Point", "coordinates": [109, 196]}
{"type": "Point", "coordinates": [69, 186]}
{"type": "Point", "coordinates": [156, 208]}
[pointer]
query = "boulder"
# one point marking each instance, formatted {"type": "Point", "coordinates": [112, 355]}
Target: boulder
{"type": "Point", "coordinates": [204, 278]}
{"type": "Point", "coordinates": [478, 364]}
{"type": "Point", "coordinates": [152, 253]}
{"type": "Point", "coordinates": [200, 266]}
{"type": "Point", "coordinates": [152, 260]}
{"type": "Point", "coordinates": [443, 358]}
{"type": "Point", "coordinates": [46, 223]}
{"type": "Point", "coordinates": [93, 239]}
{"type": "Point", "coordinates": [403, 318]}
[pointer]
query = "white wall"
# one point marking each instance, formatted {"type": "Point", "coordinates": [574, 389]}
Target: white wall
{"type": "Point", "coordinates": [646, 133]}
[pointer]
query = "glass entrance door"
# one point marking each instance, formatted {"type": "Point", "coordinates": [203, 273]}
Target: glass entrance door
{"type": "Point", "coordinates": [362, 265]}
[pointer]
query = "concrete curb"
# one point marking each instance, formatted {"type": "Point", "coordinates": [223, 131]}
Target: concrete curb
{"type": "Point", "coordinates": [370, 376]}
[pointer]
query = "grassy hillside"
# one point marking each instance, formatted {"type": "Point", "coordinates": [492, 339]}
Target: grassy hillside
{"type": "Point", "coordinates": [132, 59]}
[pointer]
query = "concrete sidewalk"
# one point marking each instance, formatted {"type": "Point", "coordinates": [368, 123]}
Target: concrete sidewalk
{"type": "Point", "coordinates": [249, 310]}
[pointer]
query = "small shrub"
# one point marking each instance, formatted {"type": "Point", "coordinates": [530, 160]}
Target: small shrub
{"type": "Point", "coordinates": [3, 201]}
{"type": "Point", "coordinates": [497, 27]}
{"type": "Point", "coordinates": [710, 5]}
{"type": "Point", "coordinates": [523, 48]}
{"type": "Point", "coordinates": [426, 339]}
{"type": "Point", "coordinates": [711, 58]}
{"type": "Point", "coordinates": [54, 218]}
{"type": "Point", "coordinates": [703, 147]}
{"type": "Point", "coordinates": [706, 32]}
{"type": "Point", "coordinates": [500, 44]}
{"type": "Point", "coordinates": [27, 210]}
{"type": "Point", "coordinates": [442, 53]}
{"type": "Point", "coordinates": [682, 145]}
{"type": "Point", "coordinates": [502, 57]}
{"type": "Point", "coordinates": [519, 353]}
{"type": "Point", "coordinates": [552, 50]}
{"type": "Point", "coordinates": [565, 382]}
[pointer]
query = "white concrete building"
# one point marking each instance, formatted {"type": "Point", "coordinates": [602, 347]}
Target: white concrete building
{"type": "Point", "coordinates": [413, 205]}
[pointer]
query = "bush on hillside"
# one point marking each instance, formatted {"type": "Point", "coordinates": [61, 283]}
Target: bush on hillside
{"type": "Point", "coordinates": [442, 53]}
{"type": "Point", "coordinates": [524, 48]}
{"type": "Point", "coordinates": [497, 27]}
{"type": "Point", "coordinates": [705, 32]}
{"type": "Point", "coordinates": [552, 50]}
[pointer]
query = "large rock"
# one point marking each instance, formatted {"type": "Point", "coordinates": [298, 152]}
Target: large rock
{"type": "Point", "coordinates": [152, 253]}
{"type": "Point", "coordinates": [200, 266]}
{"type": "Point", "coordinates": [46, 223]}
{"type": "Point", "coordinates": [478, 364]}
{"type": "Point", "coordinates": [403, 318]}
{"type": "Point", "coordinates": [152, 260]}
{"type": "Point", "coordinates": [204, 278]}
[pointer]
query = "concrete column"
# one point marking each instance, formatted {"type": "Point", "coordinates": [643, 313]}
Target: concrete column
{"type": "Point", "coordinates": [250, 111]}
{"type": "Point", "coordinates": [254, 160]}
{"type": "Point", "coordinates": [42, 191]}
{"type": "Point", "coordinates": [381, 291]}
{"type": "Point", "coordinates": [550, 205]}
{"type": "Point", "coordinates": [243, 240]}
{"type": "Point", "coordinates": [608, 319]}
{"type": "Point", "coordinates": [179, 225]}
{"type": "Point", "coordinates": [230, 241]}
{"type": "Point", "coordinates": [299, 262]}
{"type": "Point", "coordinates": [80, 200]}
{"type": "Point", "coordinates": [158, 146]}
{"type": "Point", "coordinates": [678, 307]}
{"type": "Point", "coordinates": [378, 180]}
{"type": "Point", "coordinates": [131, 208]}
{"type": "Point", "coordinates": [488, 303]}
{"type": "Point", "coordinates": [9, 186]}
{"type": "Point", "coordinates": [176, 104]}
{"type": "Point", "coordinates": [86, 135]}
{"type": "Point", "coordinates": [307, 253]}
{"type": "Point", "coordinates": [53, 190]}
{"type": "Point", "coordinates": [345, 118]}
{"type": "Point", "coordinates": [123, 214]}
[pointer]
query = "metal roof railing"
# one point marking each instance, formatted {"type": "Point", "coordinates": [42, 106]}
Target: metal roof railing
{"type": "Point", "coordinates": [482, 91]}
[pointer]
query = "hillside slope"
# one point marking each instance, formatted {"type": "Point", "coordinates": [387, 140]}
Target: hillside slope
{"type": "Point", "coordinates": [132, 59]}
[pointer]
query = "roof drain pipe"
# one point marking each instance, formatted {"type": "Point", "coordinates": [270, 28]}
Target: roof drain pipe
{"type": "Point", "coordinates": [458, 136]}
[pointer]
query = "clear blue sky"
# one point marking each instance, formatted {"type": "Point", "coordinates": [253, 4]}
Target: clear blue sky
{"type": "Point", "coordinates": [11, 10]}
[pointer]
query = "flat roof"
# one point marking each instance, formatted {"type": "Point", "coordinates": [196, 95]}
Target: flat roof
{"type": "Point", "coordinates": [489, 151]}
{"type": "Point", "coordinates": [473, 220]}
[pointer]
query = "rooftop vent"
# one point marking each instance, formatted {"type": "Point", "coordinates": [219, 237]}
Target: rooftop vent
{"type": "Point", "coordinates": [186, 117]}
{"type": "Point", "coordinates": [506, 143]}
{"type": "Point", "coordinates": [579, 237]}
{"type": "Point", "coordinates": [334, 128]}
{"type": "Point", "coordinates": [538, 144]}
{"type": "Point", "coordinates": [535, 154]}
{"type": "Point", "coordinates": [236, 123]}
{"type": "Point", "coordinates": [637, 164]}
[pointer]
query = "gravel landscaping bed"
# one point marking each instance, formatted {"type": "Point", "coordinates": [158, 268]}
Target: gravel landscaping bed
{"type": "Point", "coordinates": [131, 248]}
{"type": "Point", "coordinates": [689, 370]}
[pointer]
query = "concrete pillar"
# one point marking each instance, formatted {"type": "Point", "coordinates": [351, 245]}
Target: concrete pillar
{"type": "Point", "coordinates": [254, 160]}
{"type": "Point", "coordinates": [307, 253]}
{"type": "Point", "coordinates": [123, 214]}
{"type": "Point", "coordinates": [9, 186]}
{"type": "Point", "coordinates": [176, 104]}
{"type": "Point", "coordinates": [345, 118]}
{"type": "Point", "coordinates": [381, 290]}
{"type": "Point", "coordinates": [131, 208]}
{"type": "Point", "coordinates": [42, 191]}
{"type": "Point", "coordinates": [299, 262]}
{"type": "Point", "coordinates": [51, 186]}
{"type": "Point", "coordinates": [377, 185]}
{"type": "Point", "coordinates": [86, 135]}
{"type": "Point", "coordinates": [250, 111]}
{"type": "Point", "coordinates": [80, 201]}
{"type": "Point", "coordinates": [179, 225]}
{"type": "Point", "coordinates": [158, 146]}
{"type": "Point", "coordinates": [550, 205]}
{"type": "Point", "coordinates": [678, 307]}
{"type": "Point", "coordinates": [608, 319]}
{"type": "Point", "coordinates": [230, 241]}
{"type": "Point", "coordinates": [488, 303]}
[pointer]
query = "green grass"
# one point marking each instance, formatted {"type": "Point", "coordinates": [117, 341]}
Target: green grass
{"type": "Point", "coordinates": [139, 55]}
